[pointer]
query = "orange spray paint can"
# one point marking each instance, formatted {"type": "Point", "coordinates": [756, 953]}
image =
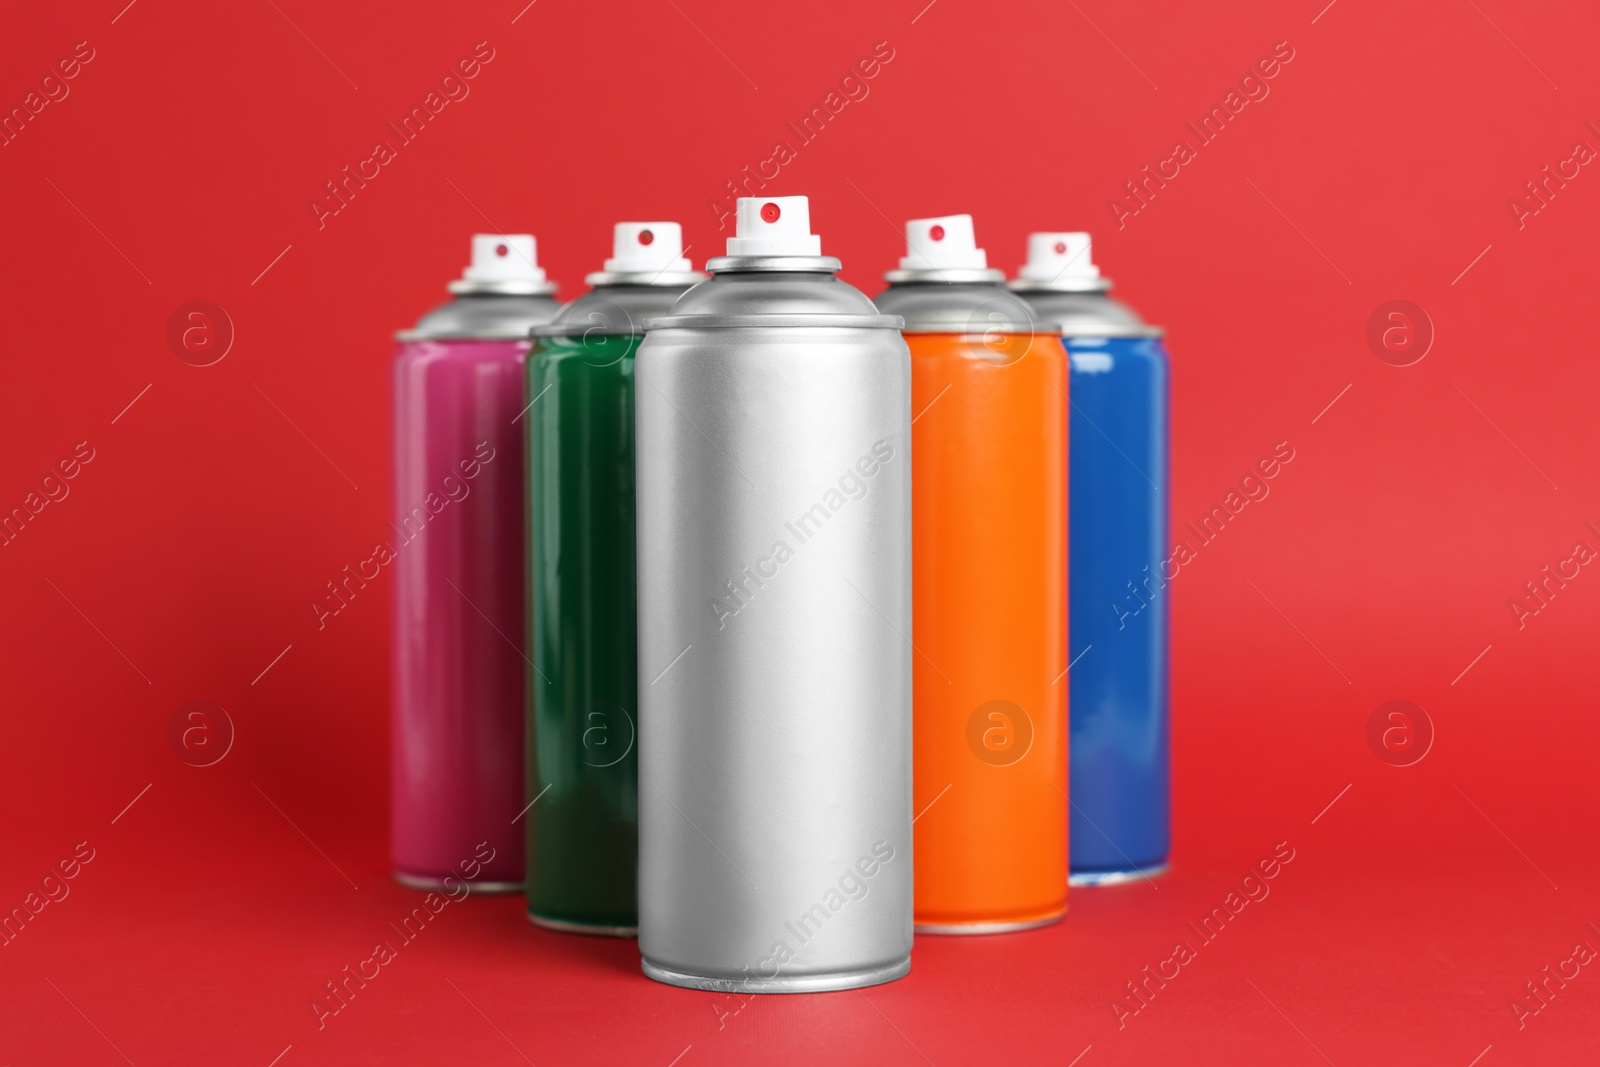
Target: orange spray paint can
{"type": "Point", "coordinates": [989, 589]}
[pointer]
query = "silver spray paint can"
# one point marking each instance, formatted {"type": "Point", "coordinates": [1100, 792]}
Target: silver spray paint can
{"type": "Point", "coordinates": [774, 539]}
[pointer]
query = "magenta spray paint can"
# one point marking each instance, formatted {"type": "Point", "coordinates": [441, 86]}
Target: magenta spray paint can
{"type": "Point", "coordinates": [459, 667]}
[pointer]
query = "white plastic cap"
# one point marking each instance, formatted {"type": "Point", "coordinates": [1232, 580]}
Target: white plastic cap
{"type": "Point", "coordinates": [946, 241]}
{"type": "Point", "coordinates": [653, 247]}
{"type": "Point", "coordinates": [1055, 256]}
{"type": "Point", "coordinates": [504, 257]}
{"type": "Point", "coordinates": [774, 226]}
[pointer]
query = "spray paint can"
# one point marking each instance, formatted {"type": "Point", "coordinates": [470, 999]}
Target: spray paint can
{"type": "Point", "coordinates": [1121, 814]}
{"type": "Point", "coordinates": [989, 550]}
{"type": "Point", "coordinates": [774, 487]}
{"type": "Point", "coordinates": [582, 774]}
{"type": "Point", "coordinates": [456, 742]}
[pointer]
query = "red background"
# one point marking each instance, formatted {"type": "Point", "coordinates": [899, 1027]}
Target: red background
{"type": "Point", "coordinates": [187, 554]}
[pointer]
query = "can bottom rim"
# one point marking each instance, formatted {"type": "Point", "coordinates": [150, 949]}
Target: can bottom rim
{"type": "Point", "coordinates": [989, 927]}
{"type": "Point", "coordinates": [446, 884]}
{"type": "Point", "coordinates": [1134, 874]}
{"type": "Point", "coordinates": [807, 983]}
{"type": "Point", "coordinates": [593, 929]}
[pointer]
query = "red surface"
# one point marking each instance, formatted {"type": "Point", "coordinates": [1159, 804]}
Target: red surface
{"type": "Point", "coordinates": [1379, 167]}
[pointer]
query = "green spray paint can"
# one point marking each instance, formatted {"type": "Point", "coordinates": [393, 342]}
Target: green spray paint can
{"type": "Point", "coordinates": [582, 771]}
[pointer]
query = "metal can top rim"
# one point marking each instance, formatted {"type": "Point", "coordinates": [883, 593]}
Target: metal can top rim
{"type": "Point", "coordinates": [719, 322]}
{"type": "Point", "coordinates": [507, 288]}
{"type": "Point", "coordinates": [663, 279]}
{"type": "Point", "coordinates": [947, 275]}
{"type": "Point", "coordinates": [457, 335]}
{"type": "Point", "coordinates": [973, 306]}
{"type": "Point", "coordinates": [1086, 329]}
{"type": "Point", "coordinates": [791, 264]}
{"type": "Point", "coordinates": [931, 328]}
{"type": "Point", "coordinates": [1065, 285]}
{"type": "Point", "coordinates": [617, 309]}
{"type": "Point", "coordinates": [575, 330]}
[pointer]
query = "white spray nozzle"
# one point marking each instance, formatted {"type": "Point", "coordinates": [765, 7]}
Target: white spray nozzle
{"type": "Point", "coordinates": [774, 226]}
{"type": "Point", "coordinates": [647, 247]}
{"type": "Point", "coordinates": [1057, 256]}
{"type": "Point", "coordinates": [946, 241]}
{"type": "Point", "coordinates": [504, 257]}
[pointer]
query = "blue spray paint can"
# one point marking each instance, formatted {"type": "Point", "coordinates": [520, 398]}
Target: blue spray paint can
{"type": "Point", "coordinates": [1118, 468]}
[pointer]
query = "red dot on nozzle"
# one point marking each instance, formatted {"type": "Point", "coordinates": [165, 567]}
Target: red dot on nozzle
{"type": "Point", "coordinates": [937, 233]}
{"type": "Point", "coordinates": [646, 237]}
{"type": "Point", "coordinates": [501, 250]}
{"type": "Point", "coordinates": [1061, 248]}
{"type": "Point", "coordinates": [770, 212]}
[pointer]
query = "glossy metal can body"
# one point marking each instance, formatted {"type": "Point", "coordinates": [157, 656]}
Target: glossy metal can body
{"type": "Point", "coordinates": [582, 706]}
{"type": "Point", "coordinates": [455, 550]}
{"type": "Point", "coordinates": [989, 544]}
{"type": "Point", "coordinates": [774, 492]}
{"type": "Point", "coordinates": [1120, 720]}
